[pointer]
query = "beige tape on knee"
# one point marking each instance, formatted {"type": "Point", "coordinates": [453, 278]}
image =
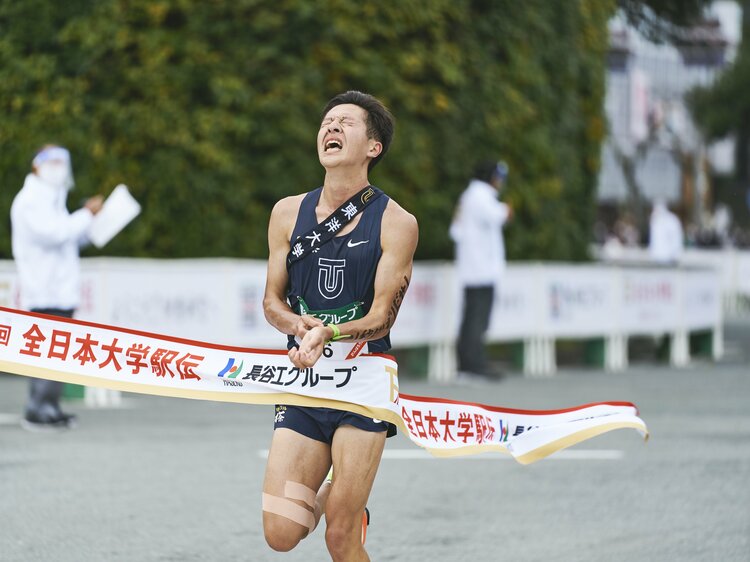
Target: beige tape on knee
{"type": "Point", "coordinates": [297, 491]}
{"type": "Point", "coordinates": [286, 508]}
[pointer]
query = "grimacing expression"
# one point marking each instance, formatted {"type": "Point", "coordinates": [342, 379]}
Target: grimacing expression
{"type": "Point", "coordinates": [342, 138]}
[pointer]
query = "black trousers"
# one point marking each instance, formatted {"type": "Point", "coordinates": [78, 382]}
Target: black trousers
{"type": "Point", "coordinates": [474, 323]}
{"type": "Point", "coordinates": [44, 395]}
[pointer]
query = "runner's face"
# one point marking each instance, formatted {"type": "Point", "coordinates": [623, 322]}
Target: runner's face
{"type": "Point", "coordinates": [342, 138]}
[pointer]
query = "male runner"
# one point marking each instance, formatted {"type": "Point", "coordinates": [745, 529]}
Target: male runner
{"type": "Point", "coordinates": [367, 265]}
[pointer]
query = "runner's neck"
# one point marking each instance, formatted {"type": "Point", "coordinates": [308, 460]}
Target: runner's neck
{"type": "Point", "coordinates": [338, 188]}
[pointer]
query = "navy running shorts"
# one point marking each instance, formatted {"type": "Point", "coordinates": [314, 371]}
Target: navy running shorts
{"type": "Point", "coordinates": [321, 423]}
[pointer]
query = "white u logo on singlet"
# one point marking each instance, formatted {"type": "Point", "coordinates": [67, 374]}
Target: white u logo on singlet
{"type": "Point", "coordinates": [330, 277]}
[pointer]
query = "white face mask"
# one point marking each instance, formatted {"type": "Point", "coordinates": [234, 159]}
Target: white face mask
{"type": "Point", "coordinates": [55, 173]}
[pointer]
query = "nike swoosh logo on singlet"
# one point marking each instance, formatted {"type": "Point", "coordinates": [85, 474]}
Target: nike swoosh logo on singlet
{"type": "Point", "coordinates": [351, 244]}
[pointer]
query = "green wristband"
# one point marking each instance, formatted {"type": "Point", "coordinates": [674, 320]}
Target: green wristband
{"type": "Point", "coordinates": [336, 332]}
{"type": "Point", "coordinates": [337, 335]}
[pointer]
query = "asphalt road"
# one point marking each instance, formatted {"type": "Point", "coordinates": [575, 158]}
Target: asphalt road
{"type": "Point", "coordinates": [180, 480]}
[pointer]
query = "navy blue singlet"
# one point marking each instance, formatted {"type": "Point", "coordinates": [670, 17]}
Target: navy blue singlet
{"type": "Point", "coordinates": [342, 272]}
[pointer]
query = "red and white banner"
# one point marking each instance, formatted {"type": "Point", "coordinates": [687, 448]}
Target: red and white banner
{"type": "Point", "coordinates": [129, 360]}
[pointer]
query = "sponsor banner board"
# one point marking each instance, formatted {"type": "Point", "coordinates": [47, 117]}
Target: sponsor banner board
{"type": "Point", "coordinates": [580, 301]}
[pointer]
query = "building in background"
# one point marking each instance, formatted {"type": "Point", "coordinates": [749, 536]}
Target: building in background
{"type": "Point", "coordinates": [654, 151]}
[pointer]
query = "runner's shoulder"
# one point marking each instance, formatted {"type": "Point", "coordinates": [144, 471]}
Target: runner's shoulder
{"type": "Point", "coordinates": [397, 218]}
{"type": "Point", "coordinates": [285, 210]}
{"type": "Point", "coordinates": [400, 230]}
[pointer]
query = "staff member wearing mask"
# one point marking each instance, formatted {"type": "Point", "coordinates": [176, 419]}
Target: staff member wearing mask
{"type": "Point", "coordinates": [46, 240]}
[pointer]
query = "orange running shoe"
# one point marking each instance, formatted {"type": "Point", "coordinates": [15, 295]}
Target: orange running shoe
{"type": "Point", "coordinates": [365, 524]}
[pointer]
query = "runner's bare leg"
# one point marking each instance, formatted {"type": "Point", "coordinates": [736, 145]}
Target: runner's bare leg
{"type": "Point", "coordinates": [296, 458]}
{"type": "Point", "coordinates": [356, 456]}
{"type": "Point", "coordinates": [320, 500]}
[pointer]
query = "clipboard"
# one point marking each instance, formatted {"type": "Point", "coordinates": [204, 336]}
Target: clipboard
{"type": "Point", "coordinates": [118, 211]}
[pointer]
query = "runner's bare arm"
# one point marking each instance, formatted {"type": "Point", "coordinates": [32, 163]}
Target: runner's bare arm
{"type": "Point", "coordinates": [275, 306]}
{"type": "Point", "coordinates": [399, 235]}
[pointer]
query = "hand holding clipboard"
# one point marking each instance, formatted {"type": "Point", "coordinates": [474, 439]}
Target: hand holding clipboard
{"type": "Point", "coordinates": [118, 210]}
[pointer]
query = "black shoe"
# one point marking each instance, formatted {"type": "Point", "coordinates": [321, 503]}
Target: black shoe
{"type": "Point", "coordinates": [486, 376]}
{"type": "Point", "coordinates": [71, 420]}
{"type": "Point", "coordinates": [33, 422]}
{"type": "Point", "coordinates": [467, 377]}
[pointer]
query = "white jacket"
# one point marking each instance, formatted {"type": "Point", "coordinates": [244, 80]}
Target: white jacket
{"type": "Point", "coordinates": [46, 239]}
{"type": "Point", "coordinates": [666, 235]}
{"type": "Point", "coordinates": [477, 230]}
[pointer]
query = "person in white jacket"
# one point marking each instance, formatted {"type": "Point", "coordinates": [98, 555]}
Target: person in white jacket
{"type": "Point", "coordinates": [477, 230]}
{"type": "Point", "coordinates": [46, 239]}
{"type": "Point", "coordinates": [665, 235]}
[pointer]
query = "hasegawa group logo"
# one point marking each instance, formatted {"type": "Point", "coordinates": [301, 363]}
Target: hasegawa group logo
{"type": "Point", "coordinates": [503, 435]}
{"type": "Point", "coordinates": [232, 369]}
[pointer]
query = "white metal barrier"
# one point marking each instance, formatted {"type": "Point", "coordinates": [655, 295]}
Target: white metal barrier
{"type": "Point", "coordinates": [732, 265]}
{"type": "Point", "coordinates": [220, 300]}
{"type": "Point", "coordinates": [540, 303]}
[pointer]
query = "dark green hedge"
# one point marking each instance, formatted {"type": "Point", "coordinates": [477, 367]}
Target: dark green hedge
{"type": "Point", "coordinates": [209, 110]}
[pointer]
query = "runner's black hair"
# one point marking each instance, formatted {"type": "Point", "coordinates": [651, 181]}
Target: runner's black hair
{"type": "Point", "coordinates": [380, 122]}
